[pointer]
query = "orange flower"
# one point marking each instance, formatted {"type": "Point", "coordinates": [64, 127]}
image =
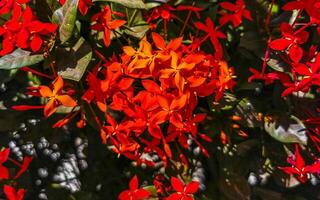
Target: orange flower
{"type": "Point", "coordinates": [55, 97]}
{"type": "Point", "coordinates": [176, 71]}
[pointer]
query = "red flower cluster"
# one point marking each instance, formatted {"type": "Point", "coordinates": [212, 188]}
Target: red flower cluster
{"type": "Point", "coordinates": [303, 64]}
{"type": "Point", "coordinates": [157, 89]}
{"type": "Point", "coordinates": [299, 168]}
{"type": "Point", "coordinates": [22, 30]}
{"type": "Point", "coordinates": [9, 191]}
{"type": "Point", "coordinates": [181, 191]}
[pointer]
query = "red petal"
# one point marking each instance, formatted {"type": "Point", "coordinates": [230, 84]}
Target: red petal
{"type": "Point", "coordinates": [4, 154]}
{"type": "Point", "coordinates": [23, 39]}
{"type": "Point", "coordinates": [142, 194]}
{"type": "Point", "coordinates": [133, 185]}
{"type": "Point", "coordinates": [192, 187]}
{"type": "Point", "coordinates": [158, 40]}
{"type": "Point", "coordinates": [177, 184]}
{"type": "Point", "coordinates": [295, 53]}
{"type": "Point", "coordinates": [4, 173]}
{"type": "Point", "coordinates": [36, 43]}
{"type": "Point", "coordinates": [279, 44]}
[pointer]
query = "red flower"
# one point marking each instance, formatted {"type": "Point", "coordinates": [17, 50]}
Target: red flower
{"type": "Point", "coordinates": [134, 193]}
{"type": "Point", "coordinates": [183, 192]}
{"type": "Point", "coordinates": [11, 194]}
{"type": "Point", "coordinates": [7, 5]}
{"type": "Point", "coordinates": [238, 10]}
{"type": "Point", "coordinates": [165, 12]}
{"type": "Point", "coordinates": [290, 40]}
{"type": "Point", "coordinates": [213, 34]}
{"type": "Point", "coordinates": [83, 5]}
{"type": "Point", "coordinates": [300, 169]}
{"type": "Point", "coordinates": [4, 172]}
{"type": "Point", "coordinates": [24, 31]}
{"type": "Point", "coordinates": [104, 23]}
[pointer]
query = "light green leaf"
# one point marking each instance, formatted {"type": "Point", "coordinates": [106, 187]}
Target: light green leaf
{"type": "Point", "coordinates": [19, 58]}
{"type": "Point", "coordinates": [66, 18]}
{"type": "Point", "coordinates": [128, 3]}
{"type": "Point", "coordinates": [72, 62]}
{"type": "Point", "coordinates": [287, 130]}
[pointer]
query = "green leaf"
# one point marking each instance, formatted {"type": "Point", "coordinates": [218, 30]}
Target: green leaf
{"type": "Point", "coordinates": [287, 130]}
{"type": "Point", "coordinates": [66, 18]}
{"type": "Point", "coordinates": [19, 58]}
{"type": "Point", "coordinates": [72, 62]}
{"type": "Point", "coordinates": [137, 31]}
{"type": "Point", "coordinates": [128, 3]}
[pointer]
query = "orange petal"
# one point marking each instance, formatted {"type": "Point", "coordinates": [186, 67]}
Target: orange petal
{"type": "Point", "coordinates": [158, 41]}
{"type": "Point", "coordinates": [57, 85]}
{"type": "Point", "coordinates": [116, 23]}
{"type": "Point", "coordinates": [66, 100]}
{"type": "Point", "coordinates": [164, 103]}
{"type": "Point", "coordinates": [179, 102]}
{"type": "Point", "coordinates": [50, 108]}
{"type": "Point", "coordinates": [129, 50]}
{"type": "Point", "coordinates": [45, 91]}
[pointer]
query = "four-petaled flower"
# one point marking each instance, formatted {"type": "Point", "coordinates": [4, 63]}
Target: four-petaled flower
{"type": "Point", "coordinates": [183, 192]}
{"type": "Point", "coordinates": [134, 192]}
{"type": "Point", "coordinates": [11, 193]}
{"type": "Point", "coordinates": [238, 10]}
{"type": "Point", "coordinates": [104, 23]}
{"type": "Point", "coordinates": [213, 34]}
{"type": "Point", "coordinates": [290, 41]}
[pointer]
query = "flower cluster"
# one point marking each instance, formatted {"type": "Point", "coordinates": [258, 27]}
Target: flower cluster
{"type": "Point", "coordinates": [157, 89]}
{"type": "Point", "coordinates": [9, 190]}
{"type": "Point", "coordinates": [22, 30]}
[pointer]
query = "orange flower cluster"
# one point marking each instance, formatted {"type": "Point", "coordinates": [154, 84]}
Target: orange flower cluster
{"type": "Point", "coordinates": [156, 87]}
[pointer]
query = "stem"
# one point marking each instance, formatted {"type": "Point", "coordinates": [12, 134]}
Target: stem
{"type": "Point", "coordinates": [165, 29]}
{"type": "Point", "coordinates": [52, 66]}
{"type": "Point", "coordinates": [28, 69]}
{"type": "Point", "coordinates": [266, 56]}
{"type": "Point", "coordinates": [186, 22]}
{"type": "Point", "coordinates": [302, 28]}
{"type": "Point", "coordinates": [267, 21]}
{"type": "Point", "coordinates": [15, 162]}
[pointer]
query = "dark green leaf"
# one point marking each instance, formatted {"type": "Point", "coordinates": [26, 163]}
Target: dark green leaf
{"type": "Point", "coordinates": [66, 18]}
{"type": "Point", "coordinates": [129, 3]}
{"type": "Point", "coordinates": [72, 62]}
{"type": "Point", "coordinates": [19, 58]}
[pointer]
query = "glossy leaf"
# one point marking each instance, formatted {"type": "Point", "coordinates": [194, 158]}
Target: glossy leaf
{"type": "Point", "coordinates": [66, 18]}
{"type": "Point", "coordinates": [72, 62]}
{"type": "Point", "coordinates": [19, 58]}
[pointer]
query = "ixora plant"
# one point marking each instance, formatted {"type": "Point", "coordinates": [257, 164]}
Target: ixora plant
{"type": "Point", "coordinates": [201, 99]}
